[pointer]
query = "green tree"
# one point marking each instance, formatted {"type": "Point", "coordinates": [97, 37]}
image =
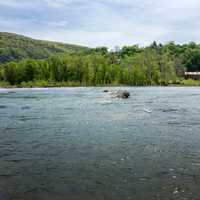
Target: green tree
{"type": "Point", "coordinates": [10, 73]}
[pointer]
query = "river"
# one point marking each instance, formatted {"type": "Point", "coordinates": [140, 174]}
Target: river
{"type": "Point", "coordinates": [83, 144]}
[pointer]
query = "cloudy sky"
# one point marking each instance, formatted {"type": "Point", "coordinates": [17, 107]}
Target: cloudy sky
{"type": "Point", "coordinates": [103, 22]}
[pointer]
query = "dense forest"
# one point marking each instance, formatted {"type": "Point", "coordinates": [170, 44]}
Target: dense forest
{"type": "Point", "coordinates": [156, 64]}
{"type": "Point", "coordinates": [17, 47]}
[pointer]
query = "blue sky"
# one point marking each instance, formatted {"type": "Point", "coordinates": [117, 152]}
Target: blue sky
{"type": "Point", "coordinates": [103, 22]}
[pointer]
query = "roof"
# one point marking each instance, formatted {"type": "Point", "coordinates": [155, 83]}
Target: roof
{"type": "Point", "coordinates": [192, 73]}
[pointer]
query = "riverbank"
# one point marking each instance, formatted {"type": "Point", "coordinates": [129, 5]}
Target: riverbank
{"type": "Point", "coordinates": [45, 84]}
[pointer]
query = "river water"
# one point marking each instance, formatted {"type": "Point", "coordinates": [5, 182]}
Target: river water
{"type": "Point", "coordinates": [83, 144]}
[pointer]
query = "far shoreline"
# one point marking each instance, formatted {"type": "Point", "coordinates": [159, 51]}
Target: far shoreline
{"type": "Point", "coordinates": [103, 86]}
{"type": "Point", "coordinates": [49, 84]}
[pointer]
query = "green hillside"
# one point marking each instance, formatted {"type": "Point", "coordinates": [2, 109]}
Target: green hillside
{"type": "Point", "coordinates": [17, 47]}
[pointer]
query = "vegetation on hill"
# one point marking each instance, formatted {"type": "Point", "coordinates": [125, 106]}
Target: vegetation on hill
{"type": "Point", "coordinates": [18, 47]}
{"type": "Point", "coordinates": [156, 64]}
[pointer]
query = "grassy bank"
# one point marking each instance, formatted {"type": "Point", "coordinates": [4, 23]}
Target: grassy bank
{"type": "Point", "coordinates": [47, 84]}
{"type": "Point", "coordinates": [190, 82]}
{"type": "Point", "coordinates": [41, 84]}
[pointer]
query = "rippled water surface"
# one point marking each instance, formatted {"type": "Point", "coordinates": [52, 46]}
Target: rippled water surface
{"type": "Point", "coordinates": [82, 144]}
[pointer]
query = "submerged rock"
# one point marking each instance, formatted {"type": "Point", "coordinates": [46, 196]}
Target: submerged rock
{"type": "Point", "coordinates": [2, 106]}
{"type": "Point", "coordinates": [25, 107]}
{"type": "Point", "coordinates": [122, 94]}
{"type": "Point", "coordinates": [11, 92]}
{"type": "Point", "coordinates": [105, 91]}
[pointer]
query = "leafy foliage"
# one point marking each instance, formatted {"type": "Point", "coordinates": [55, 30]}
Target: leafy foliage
{"type": "Point", "coordinates": [17, 47]}
{"type": "Point", "coordinates": [65, 65]}
{"type": "Point", "coordinates": [92, 69]}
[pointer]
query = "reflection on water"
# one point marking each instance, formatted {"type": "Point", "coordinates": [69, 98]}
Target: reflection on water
{"type": "Point", "coordinates": [80, 143]}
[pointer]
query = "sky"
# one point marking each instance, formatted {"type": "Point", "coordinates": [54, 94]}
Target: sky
{"type": "Point", "coordinates": [108, 23]}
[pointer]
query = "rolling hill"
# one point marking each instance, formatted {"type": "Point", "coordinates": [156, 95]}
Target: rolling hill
{"type": "Point", "coordinates": [17, 47]}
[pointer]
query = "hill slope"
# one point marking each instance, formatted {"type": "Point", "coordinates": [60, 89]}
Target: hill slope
{"type": "Point", "coordinates": [17, 47]}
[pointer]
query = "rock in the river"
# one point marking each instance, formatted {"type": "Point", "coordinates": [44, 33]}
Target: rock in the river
{"type": "Point", "coordinates": [105, 91]}
{"type": "Point", "coordinates": [122, 94]}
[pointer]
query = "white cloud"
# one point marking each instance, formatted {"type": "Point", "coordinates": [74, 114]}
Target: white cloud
{"type": "Point", "coordinates": [105, 22]}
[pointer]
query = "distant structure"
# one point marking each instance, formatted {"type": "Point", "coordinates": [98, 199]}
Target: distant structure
{"type": "Point", "coordinates": [192, 75]}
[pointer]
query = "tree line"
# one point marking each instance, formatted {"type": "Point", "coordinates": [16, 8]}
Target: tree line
{"type": "Point", "coordinates": [156, 64]}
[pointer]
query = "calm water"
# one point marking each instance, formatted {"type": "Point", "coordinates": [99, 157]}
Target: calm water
{"type": "Point", "coordinates": [82, 144]}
